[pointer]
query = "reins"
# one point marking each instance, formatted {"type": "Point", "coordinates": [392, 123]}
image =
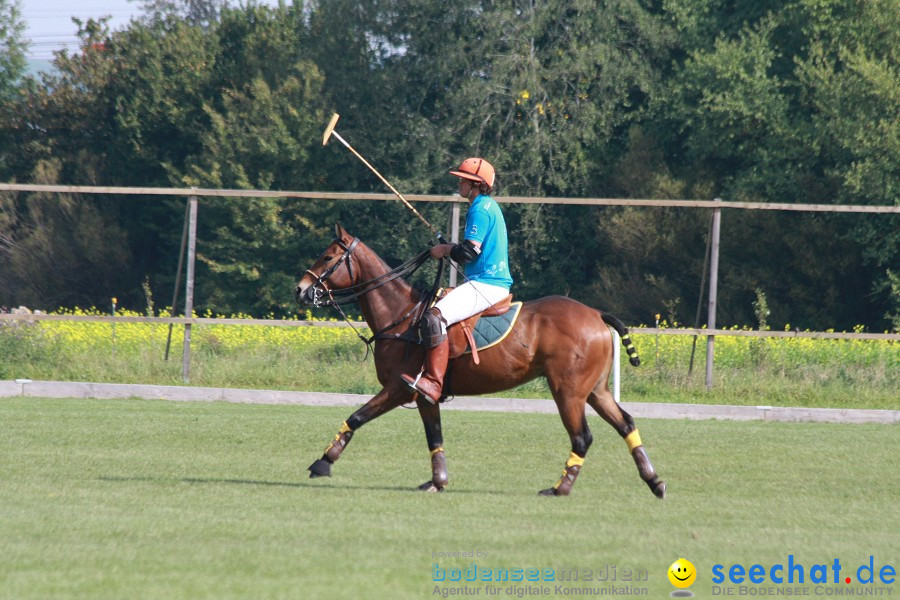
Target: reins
{"type": "Point", "coordinates": [350, 294]}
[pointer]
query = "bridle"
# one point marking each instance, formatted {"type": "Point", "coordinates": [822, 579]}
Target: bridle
{"type": "Point", "coordinates": [319, 290]}
{"type": "Point", "coordinates": [320, 295]}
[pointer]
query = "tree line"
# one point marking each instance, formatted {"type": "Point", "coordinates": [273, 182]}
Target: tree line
{"type": "Point", "coordinates": [791, 101]}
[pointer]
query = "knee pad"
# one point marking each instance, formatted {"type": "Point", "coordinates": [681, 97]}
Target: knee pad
{"type": "Point", "coordinates": [432, 328]}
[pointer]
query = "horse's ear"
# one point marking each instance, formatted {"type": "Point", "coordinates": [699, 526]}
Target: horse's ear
{"type": "Point", "coordinates": [339, 232]}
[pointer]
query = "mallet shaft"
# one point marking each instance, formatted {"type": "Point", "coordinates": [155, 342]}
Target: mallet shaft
{"type": "Point", "coordinates": [388, 183]}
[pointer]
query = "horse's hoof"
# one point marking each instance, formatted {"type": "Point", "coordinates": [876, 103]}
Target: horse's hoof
{"type": "Point", "coordinates": [659, 489]}
{"type": "Point", "coordinates": [320, 468]}
{"type": "Point", "coordinates": [430, 488]}
{"type": "Point", "coordinates": [549, 492]}
{"type": "Point", "coordinates": [439, 475]}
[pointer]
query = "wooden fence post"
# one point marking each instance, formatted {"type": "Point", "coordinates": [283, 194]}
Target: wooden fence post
{"type": "Point", "coordinates": [184, 236]}
{"type": "Point", "coordinates": [189, 289]}
{"type": "Point", "coordinates": [713, 291]}
{"type": "Point", "coordinates": [454, 237]}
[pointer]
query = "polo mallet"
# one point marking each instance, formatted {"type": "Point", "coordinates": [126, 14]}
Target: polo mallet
{"type": "Point", "coordinates": [330, 132]}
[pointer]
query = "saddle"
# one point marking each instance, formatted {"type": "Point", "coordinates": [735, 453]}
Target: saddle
{"type": "Point", "coordinates": [462, 335]}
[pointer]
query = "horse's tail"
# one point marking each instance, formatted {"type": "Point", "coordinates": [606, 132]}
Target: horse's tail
{"type": "Point", "coordinates": [620, 328]}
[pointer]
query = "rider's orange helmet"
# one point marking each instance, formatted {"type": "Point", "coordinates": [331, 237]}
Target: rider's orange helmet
{"type": "Point", "coordinates": [476, 169]}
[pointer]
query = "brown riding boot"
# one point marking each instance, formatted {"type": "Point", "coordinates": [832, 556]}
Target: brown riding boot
{"type": "Point", "coordinates": [430, 382]}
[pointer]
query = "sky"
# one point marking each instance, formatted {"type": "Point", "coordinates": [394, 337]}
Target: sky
{"type": "Point", "coordinates": [49, 23]}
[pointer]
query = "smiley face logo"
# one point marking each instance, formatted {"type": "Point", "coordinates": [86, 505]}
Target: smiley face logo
{"type": "Point", "coordinates": [682, 573]}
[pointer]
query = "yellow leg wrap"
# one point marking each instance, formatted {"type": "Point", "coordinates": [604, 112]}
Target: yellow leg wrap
{"type": "Point", "coordinates": [574, 460]}
{"type": "Point", "coordinates": [344, 429]}
{"type": "Point", "coordinates": [436, 450]}
{"type": "Point", "coordinates": [633, 440]}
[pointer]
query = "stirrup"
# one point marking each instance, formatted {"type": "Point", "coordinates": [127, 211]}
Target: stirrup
{"type": "Point", "coordinates": [412, 386]}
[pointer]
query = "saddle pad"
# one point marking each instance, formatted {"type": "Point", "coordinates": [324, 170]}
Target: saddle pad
{"type": "Point", "coordinates": [490, 331]}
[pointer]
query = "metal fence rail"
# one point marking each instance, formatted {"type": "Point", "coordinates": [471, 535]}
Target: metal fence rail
{"type": "Point", "coordinates": [225, 193]}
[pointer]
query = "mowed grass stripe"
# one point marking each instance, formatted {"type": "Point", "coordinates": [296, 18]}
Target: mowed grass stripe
{"type": "Point", "coordinates": [155, 499]}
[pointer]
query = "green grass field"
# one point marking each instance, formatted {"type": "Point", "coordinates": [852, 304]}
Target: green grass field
{"type": "Point", "coordinates": [153, 499]}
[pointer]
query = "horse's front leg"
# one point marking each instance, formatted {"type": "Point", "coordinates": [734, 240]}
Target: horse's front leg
{"type": "Point", "coordinates": [431, 419]}
{"type": "Point", "coordinates": [387, 399]}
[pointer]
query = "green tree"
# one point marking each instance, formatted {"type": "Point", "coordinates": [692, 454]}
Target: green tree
{"type": "Point", "coordinates": [259, 138]}
{"type": "Point", "coordinates": [12, 48]}
{"type": "Point", "coordinates": [59, 250]}
{"type": "Point", "coordinates": [57, 119]}
{"type": "Point", "coordinates": [12, 68]}
{"type": "Point", "coordinates": [768, 101]}
{"type": "Point", "coordinates": [195, 12]}
{"type": "Point", "coordinates": [261, 135]}
{"type": "Point", "coordinates": [62, 249]}
{"type": "Point", "coordinates": [793, 105]}
{"type": "Point", "coordinates": [547, 91]}
{"type": "Point", "coordinates": [734, 113]}
{"type": "Point", "coordinates": [851, 80]}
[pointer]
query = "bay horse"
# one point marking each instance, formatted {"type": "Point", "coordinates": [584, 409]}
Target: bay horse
{"type": "Point", "coordinates": [566, 342]}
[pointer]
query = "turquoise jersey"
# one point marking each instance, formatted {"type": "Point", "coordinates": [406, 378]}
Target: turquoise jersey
{"type": "Point", "coordinates": [485, 224]}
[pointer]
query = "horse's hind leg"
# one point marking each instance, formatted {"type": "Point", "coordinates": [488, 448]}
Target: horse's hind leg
{"type": "Point", "coordinates": [602, 401]}
{"type": "Point", "coordinates": [581, 437]}
{"type": "Point", "coordinates": [431, 419]}
{"type": "Point", "coordinates": [571, 409]}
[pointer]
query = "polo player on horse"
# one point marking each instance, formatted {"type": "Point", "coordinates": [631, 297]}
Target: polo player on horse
{"type": "Point", "coordinates": [485, 256]}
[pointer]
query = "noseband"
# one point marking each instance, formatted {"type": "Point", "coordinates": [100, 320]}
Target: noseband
{"type": "Point", "coordinates": [318, 286]}
{"type": "Point", "coordinates": [319, 295]}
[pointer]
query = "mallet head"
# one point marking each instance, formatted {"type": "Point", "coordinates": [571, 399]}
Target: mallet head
{"type": "Point", "coordinates": [330, 128]}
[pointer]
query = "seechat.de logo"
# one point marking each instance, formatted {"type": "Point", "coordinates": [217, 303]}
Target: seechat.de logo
{"type": "Point", "coordinates": [793, 572]}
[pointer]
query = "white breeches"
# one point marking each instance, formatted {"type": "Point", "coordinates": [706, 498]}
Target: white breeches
{"type": "Point", "coordinates": [468, 299]}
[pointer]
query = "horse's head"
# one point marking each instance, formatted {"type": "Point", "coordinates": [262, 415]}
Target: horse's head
{"type": "Point", "coordinates": [334, 270]}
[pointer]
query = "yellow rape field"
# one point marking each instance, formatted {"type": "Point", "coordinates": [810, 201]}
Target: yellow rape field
{"type": "Point", "coordinates": [88, 336]}
{"type": "Point", "coordinates": [776, 371]}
